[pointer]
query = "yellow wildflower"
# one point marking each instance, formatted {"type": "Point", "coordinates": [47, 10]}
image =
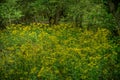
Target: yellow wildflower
{"type": "Point", "coordinates": [14, 31]}
{"type": "Point", "coordinates": [10, 48]}
{"type": "Point", "coordinates": [33, 70]}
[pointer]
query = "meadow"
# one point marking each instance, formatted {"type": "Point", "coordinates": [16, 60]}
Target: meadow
{"type": "Point", "coordinates": [59, 52]}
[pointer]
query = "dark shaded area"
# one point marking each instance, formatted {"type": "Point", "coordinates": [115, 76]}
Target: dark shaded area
{"type": "Point", "coordinates": [113, 7]}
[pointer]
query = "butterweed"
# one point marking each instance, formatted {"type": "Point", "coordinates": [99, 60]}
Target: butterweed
{"type": "Point", "coordinates": [59, 52]}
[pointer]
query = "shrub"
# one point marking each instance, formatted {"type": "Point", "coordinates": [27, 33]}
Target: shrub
{"type": "Point", "coordinates": [60, 52]}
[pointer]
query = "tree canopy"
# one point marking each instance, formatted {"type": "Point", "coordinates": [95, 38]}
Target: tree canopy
{"type": "Point", "coordinates": [82, 13]}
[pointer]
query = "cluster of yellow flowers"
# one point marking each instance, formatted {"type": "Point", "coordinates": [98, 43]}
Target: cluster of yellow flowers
{"type": "Point", "coordinates": [60, 52]}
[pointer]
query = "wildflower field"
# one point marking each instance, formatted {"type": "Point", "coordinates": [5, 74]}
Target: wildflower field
{"type": "Point", "coordinates": [60, 52]}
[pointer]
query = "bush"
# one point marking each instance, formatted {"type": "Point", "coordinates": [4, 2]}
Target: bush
{"type": "Point", "coordinates": [60, 52]}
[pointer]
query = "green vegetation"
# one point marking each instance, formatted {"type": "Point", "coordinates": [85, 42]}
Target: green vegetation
{"type": "Point", "coordinates": [60, 52]}
{"type": "Point", "coordinates": [59, 39]}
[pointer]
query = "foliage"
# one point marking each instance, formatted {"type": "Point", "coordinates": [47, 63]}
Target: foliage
{"type": "Point", "coordinates": [54, 10]}
{"type": "Point", "coordinates": [97, 16]}
{"type": "Point", "coordinates": [60, 52]}
{"type": "Point", "coordinates": [89, 14]}
{"type": "Point", "coordinates": [9, 11]}
{"type": "Point", "coordinates": [77, 10]}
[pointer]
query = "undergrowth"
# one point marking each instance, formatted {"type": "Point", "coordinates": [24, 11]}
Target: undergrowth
{"type": "Point", "coordinates": [60, 52]}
